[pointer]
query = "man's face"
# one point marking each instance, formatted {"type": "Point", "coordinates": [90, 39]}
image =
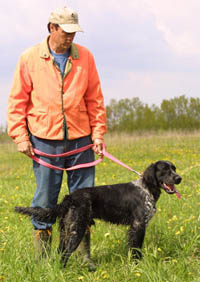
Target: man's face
{"type": "Point", "coordinates": [61, 39]}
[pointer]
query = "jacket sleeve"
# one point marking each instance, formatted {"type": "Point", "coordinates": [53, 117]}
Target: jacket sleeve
{"type": "Point", "coordinates": [18, 102]}
{"type": "Point", "coordinates": [95, 102]}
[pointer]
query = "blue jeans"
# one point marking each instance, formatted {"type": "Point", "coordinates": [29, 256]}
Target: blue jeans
{"type": "Point", "coordinates": [49, 181]}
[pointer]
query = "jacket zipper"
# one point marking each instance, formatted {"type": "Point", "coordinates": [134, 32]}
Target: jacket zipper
{"type": "Point", "coordinates": [68, 67]}
{"type": "Point", "coordinates": [65, 130]}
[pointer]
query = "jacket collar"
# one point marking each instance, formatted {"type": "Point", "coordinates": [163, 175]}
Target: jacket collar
{"type": "Point", "coordinates": [45, 53]}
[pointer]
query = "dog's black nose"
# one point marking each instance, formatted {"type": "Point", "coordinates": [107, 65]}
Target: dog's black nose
{"type": "Point", "coordinates": [178, 179]}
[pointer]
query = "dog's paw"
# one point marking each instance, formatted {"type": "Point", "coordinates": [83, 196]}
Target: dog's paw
{"type": "Point", "coordinates": [136, 255]}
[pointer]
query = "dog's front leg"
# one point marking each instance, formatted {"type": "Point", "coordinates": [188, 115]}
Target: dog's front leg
{"type": "Point", "coordinates": [136, 238]}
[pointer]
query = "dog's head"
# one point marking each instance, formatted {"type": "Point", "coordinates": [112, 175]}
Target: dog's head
{"type": "Point", "coordinates": [162, 175]}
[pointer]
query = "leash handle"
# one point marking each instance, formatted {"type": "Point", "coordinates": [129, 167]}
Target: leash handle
{"type": "Point", "coordinates": [66, 154]}
{"type": "Point", "coordinates": [38, 160]}
{"type": "Point", "coordinates": [85, 165]}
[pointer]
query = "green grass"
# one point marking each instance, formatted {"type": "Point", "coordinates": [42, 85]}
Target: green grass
{"type": "Point", "coordinates": [171, 250]}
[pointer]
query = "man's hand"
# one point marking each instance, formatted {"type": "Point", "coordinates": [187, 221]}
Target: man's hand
{"type": "Point", "coordinates": [26, 148]}
{"type": "Point", "coordinates": [98, 146]}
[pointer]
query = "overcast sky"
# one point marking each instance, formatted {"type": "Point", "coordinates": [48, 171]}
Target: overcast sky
{"type": "Point", "coordinates": [143, 48]}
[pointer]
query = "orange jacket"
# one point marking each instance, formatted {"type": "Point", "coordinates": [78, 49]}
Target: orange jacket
{"type": "Point", "coordinates": [51, 106]}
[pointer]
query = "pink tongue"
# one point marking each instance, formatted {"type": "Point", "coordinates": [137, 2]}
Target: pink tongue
{"type": "Point", "coordinates": [178, 195]}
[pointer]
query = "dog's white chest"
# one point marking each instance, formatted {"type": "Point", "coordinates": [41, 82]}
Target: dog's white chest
{"type": "Point", "coordinates": [150, 208]}
{"type": "Point", "coordinates": [149, 202]}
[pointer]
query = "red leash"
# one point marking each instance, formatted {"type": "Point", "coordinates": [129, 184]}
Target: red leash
{"type": "Point", "coordinates": [104, 153]}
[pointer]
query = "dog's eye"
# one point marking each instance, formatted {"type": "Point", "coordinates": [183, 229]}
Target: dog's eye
{"type": "Point", "coordinates": [174, 168]}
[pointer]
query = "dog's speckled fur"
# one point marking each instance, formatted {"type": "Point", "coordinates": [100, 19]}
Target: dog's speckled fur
{"type": "Point", "coordinates": [131, 204]}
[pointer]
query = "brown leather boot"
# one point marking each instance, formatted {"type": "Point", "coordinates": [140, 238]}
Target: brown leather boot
{"type": "Point", "coordinates": [84, 250]}
{"type": "Point", "coordinates": [42, 242]}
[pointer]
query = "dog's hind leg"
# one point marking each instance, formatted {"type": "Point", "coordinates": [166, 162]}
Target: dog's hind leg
{"type": "Point", "coordinates": [70, 245]}
{"type": "Point", "coordinates": [72, 229]}
{"type": "Point", "coordinates": [136, 238]}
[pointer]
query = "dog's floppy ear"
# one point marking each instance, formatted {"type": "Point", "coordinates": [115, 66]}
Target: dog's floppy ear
{"type": "Point", "coordinates": [149, 176]}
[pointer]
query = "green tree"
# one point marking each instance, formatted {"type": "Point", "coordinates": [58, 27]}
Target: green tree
{"type": "Point", "coordinates": [130, 115]}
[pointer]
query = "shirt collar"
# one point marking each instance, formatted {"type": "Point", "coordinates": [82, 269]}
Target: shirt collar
{"type": "Point", "coordinates": [45, 53]}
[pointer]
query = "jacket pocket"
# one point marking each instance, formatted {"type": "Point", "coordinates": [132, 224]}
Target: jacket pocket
{"type": "Point", "coordinates": [82, 106]}
{"type": "Point", "coordinates": [38, 121]}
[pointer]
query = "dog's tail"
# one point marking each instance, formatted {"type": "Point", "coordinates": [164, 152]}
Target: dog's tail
{"type": "Point", "coordinates": [47, 215]}
{"type": "Point", "coordinates": [41, 214]}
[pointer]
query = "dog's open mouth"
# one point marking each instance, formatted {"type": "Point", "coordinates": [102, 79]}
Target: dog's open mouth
{"type": "Point", "coordinates": [170, 189]}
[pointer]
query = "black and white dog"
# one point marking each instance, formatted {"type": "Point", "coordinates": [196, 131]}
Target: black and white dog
{"type": "Point", "coordinates": [130, 204]}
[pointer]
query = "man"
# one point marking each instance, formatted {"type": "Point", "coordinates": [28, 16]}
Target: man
{"type": "Point", "coordinates": [56, 105]}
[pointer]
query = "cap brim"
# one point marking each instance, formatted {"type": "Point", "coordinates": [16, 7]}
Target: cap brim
{"type": "Point", "coordinates": [71, 27]}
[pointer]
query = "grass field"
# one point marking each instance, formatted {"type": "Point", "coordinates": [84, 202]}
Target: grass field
{"type": "Point", "coordinates": [171, 250]}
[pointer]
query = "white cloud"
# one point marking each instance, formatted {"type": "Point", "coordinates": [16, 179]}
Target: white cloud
{"type": "Point", "coordinates": [153, 87]}
{"type": "Point", "coordinates": [143, 48]}
{"type": "Point", "coordinates": [179, 22]}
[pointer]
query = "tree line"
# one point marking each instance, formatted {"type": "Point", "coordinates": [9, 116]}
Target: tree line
{"type": "Point", "coordinates": [129, 115]}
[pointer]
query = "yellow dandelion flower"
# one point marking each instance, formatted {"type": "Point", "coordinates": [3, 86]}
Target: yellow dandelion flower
{"type": "Point", "coordinates": [137, 274]}
{"type": "Point", "coordinates": [106, 235]}
{"type": "Point", "coordinates": [159, 249]}
{"type": "Point", "coordinates": [104, 274]}
{"type": "Point", "coordinates": [178, 232]}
